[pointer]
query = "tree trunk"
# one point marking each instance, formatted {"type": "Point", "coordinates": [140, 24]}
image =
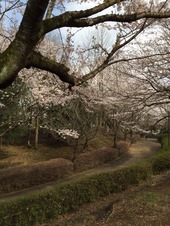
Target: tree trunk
{"type": "Point", "coordinates": [115, 140]}
{"type": "Point", "coordinates": [0, 142]}
{"type": "Point", "coordinates": [125, 134]}
{"type": "Point", "coordinates": [37, 131]}
{"type": "Point", "coordinates": [29, 136]}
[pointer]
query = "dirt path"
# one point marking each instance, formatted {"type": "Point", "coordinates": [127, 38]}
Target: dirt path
{"type": "Point", "coordinates": [138, 151]}
{"type": "Point", "coordinates": [143, 149]}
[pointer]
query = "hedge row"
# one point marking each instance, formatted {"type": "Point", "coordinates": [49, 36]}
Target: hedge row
{"type": "Point", "coordinates": [25, 176]}
{"type": "Point", "coordinates": [70, 196]}
{"type": "Point", "coordinates": [101, 156]}
{"type": "Point", "coordinates": [95, 158]}
{"type": "Point", "coordinates": [123, 146]}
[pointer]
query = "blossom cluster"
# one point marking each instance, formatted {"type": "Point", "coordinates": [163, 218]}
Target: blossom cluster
{"type": "Point", "coordinates": [68, 133]}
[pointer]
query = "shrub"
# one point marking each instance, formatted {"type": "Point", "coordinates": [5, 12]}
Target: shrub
{"type": "Point", "coordinates": [69, 196]}
{"type": "Point", "coordinates": [19, 177]}
{"type": "Point", "coordinates": [161, 162]}
{"type": "Point", "coordinates": [135, 138]}
{"type": "Point", "coordinates": [164, 143]}
{"type": "Point", "coordinates": [123, 147]}
{"type": "Point", "coordinates": [95, 158]}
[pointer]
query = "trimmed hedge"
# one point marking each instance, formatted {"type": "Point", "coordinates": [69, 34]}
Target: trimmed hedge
{"type": "Point", "coordinates": [161, 162]}
{"type": "Point", "coordinates": [95, 158]}
{"type": "Point", "coordinates": [24, 176]}
{"type": "Point", "coordinates": [70, 196]}
{"type": "Point", "coordinates": [123, 147]}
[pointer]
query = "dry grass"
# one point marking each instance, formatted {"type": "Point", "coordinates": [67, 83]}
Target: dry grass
{"type": "Point", "coordinates": [14, 155]}
{"type": "Point", "coordinates": [19, 155]}
{"type": "Point", "coordinates": [99, 141]}
{"type": "Point", "coordinates": [22, 167]}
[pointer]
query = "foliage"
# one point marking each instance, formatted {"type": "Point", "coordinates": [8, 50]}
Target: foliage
{"type": "Point", "coordinates": [163, 139]}
{"type": "Point", "coordinates": [111, 49]}
{"type": "Point", "coordinates": [161, 162]}
{"type": "Point", "coordinates": [12, 103]}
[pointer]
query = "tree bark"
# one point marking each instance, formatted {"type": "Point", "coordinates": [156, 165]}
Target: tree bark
{"type": "Point", "coordinates": [14, 58]}
{"type": "Point", "coordinates": [37, 131]}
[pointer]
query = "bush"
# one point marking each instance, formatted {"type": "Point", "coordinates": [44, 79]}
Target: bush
{"type": "Point", "coordinates": [14, 136]}
{"type": "Point", "coordinates": [161, 162]}
{"type": "Point", "coordinates": [135, 138]}
{"type": "Point", "coordinates": [123, 147]}
{"type": "Point", "coordinates": [68, 197]}
{"type": "Point", "coordinates": [24, 176]}
{"type": "Point", "coordinates": [95, 158]}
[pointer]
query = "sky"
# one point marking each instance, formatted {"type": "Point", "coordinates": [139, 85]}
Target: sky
{"type": "Point", "coordinates": [81, 34]}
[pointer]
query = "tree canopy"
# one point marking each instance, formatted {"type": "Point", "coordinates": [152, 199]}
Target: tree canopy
{"type": "Point", "coordinates": [129, 17]}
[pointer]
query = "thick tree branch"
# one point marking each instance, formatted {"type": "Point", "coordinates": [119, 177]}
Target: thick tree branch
{"type": "Point", "coordinates": [66, 18]}
{"type": "Point", "coordinates": [70, 19]}
{"type": "Point", "coordinates": [13, 59]}
{"type": "Point", "coordinates": [32, 20]}
{"type": "Point", "coordinates": [39, 61]}
{"type": "Point", "coordinates": [117, 18]}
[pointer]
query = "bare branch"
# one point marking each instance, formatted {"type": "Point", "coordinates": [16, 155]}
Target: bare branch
{"type": "Point", "coordinates": [113, 51]}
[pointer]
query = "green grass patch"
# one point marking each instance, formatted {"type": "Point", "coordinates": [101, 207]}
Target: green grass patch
{"type": "Point", "coordinates": [149, 198]}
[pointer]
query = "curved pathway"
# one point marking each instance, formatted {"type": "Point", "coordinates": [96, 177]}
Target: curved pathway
{"type": "Point", "coordinates": [138, 151]}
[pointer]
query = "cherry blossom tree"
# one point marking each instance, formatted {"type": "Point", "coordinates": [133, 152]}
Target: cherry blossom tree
{"type": "Point", "coordinates": [129, 18]}
{"type": "Point", "coordinates": [43, 66]}
{"type": "Point", "coordinates": [145, 68]}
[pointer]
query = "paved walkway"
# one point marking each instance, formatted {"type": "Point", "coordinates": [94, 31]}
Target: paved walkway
{"type": "Point", "coordinates": [138, 151]}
